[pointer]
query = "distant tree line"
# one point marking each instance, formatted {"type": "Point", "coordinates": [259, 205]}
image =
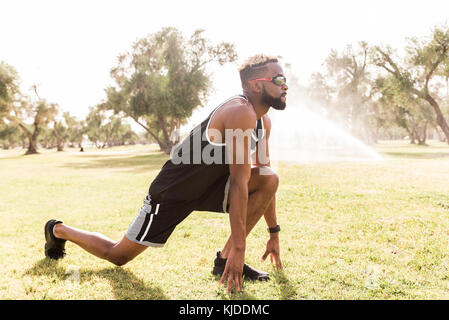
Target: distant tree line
{"type": "Point", "coordinates": [377, 93]}
{"type": "Point", "coordinates": [26, 122]}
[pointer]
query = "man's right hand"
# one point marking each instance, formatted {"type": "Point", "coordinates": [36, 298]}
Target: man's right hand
{"type": "Point", "coordinates": [234, 270]}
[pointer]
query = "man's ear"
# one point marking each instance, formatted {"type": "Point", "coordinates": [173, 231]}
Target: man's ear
{"type": "Point", "coordinates": [255, 86]}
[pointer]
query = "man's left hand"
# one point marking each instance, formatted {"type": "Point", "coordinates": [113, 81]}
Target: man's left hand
{"type": "Point", "coordinates": [273, 250]}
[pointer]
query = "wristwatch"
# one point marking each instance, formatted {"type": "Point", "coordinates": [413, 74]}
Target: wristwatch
{"type": "Point", "coordinates": [275, 229]}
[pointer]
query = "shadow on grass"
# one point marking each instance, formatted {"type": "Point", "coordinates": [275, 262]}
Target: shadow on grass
{"type": "Point", "coordinates": [223, 294]}
{"type": "Point", "coordinates": [287, 291]}
{"type": "Point", "coordinates": [139, 163]}
{"type": "Point", "coordinates": [412, 155]}
{"type": "Point", "coordinates": [14, 157]}
{"type": "Point", "coordinates": [125, 285]}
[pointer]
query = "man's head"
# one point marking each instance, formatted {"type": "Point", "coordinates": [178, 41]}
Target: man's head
{"type": "Point", "coordinates": [263, 76]}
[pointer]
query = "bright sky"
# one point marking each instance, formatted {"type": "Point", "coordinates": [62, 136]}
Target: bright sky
{"type": "Point", "coordinates": [68, 47]}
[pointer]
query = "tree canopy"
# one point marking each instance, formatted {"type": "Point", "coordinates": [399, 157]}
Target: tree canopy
{"type": "Point", "coordinates": [163, 79]}
{"type": "Point", "coordinates": [426, 60]}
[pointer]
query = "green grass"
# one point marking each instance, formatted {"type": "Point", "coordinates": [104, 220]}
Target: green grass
{"type": "Point", "coordinates": [365, 230]}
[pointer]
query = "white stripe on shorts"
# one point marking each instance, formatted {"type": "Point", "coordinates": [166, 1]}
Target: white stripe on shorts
{"type": "Point", "coordinates": [148, 228]}
{"type": "Point", "coordinates": [151, 221]}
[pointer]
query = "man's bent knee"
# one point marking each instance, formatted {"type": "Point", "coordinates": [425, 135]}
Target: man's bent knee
{"type": "Point", "coordinates": [121, 261]}
{"type": "Point", "coordinates": [272, 182]}
{"type": "Point", "coordinates": [118, 260]}
{"type": "Point", "coordinates": [115, 257]}
{"type": "Point", "coordinates": [267, 179]}
{"type": "Point", "coordinates": [123, 252]}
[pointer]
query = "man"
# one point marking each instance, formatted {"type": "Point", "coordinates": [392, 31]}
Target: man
{"type": "Point", "coordinates": [211, 170]}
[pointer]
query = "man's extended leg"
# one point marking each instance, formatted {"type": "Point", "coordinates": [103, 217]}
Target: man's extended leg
{"type": "Point", "coordinates": [119, 252]}
{"type": "Point", "coordinates": [262, 190]}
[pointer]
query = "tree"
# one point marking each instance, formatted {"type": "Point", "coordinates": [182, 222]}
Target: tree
{"type": "Point", "coordinates": [59, 130]}
{"type": "Point", "coordinates": [10, 135]}
{"type": "Point", "coordinates": [46, 137]}
{"type": "Point", "coordinates": [18, 109]}
{"type": "Point", "coordinates": [75, 129]}
{"type": "Point", "coordinates": [107, 129]}
{"type": "Point", "coordinates": [350, 75]}
{"type": "Point", "coordinates": [163, 79]}
{"type": "Point", "coordinates": [9, 89]}
{"type": "Point", "coordinates": [94, 122]}
{"type": "Point", "coordinates": [39, 112]}
{"type": "Point", "coordinates": [407, 111]}
{"type": "Point", "coordinates": [320, 94]}
{"type": "Point", "coordinates": [319, 90]}
{"type": "Point", "coordinates": [426, 60]}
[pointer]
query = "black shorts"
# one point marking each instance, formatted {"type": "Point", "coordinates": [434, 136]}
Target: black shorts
{"type": "Point", "coordinates": [158, 218]}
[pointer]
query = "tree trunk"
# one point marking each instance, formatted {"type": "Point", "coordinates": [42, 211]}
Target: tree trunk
{"type": "Point", "coordinates": [32, 141]}
{"type": "Point", "coordinates": [59, 140]}
{"type": "Point", "coordinates": [411, 135]}
{"type": "Point", "coordinates": [168, 144]}
{"type": "Point", "coordinates": [439, 135]}
{"type": "Point", "coordinates": [32, 147]}
{"type": "Point", "coordinates": [422, 141]}
{"type": "Point", "coordinates": [440, 118]}
{"type": "Point", "coordinates": [32, 137]}
{"type": "Point", "coordinates": [164, 146]}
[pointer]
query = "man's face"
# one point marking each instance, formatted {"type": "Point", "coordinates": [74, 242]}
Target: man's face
{"type": "Point", "coordinates": [272, 94]}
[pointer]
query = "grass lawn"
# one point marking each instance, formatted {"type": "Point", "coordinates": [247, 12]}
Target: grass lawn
{"type": "Point", "coordinates": [350, 230]}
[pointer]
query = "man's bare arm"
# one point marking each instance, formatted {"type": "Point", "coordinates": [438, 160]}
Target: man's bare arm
{"type": "Point", "coordinates": [238, 126]}
{"type": "Point", "coordinates": [262, 159]}
{"type": "Point", "coordinates": [263, 153]}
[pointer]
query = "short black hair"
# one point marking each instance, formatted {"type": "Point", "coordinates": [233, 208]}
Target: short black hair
{"type": "Point", "coordinates": [254, 67]}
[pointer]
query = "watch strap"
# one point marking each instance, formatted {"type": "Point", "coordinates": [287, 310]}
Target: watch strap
{"type": "Point", "coordinates": [275, 229]}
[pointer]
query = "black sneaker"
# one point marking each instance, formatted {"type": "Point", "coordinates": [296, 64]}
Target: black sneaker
{"type": "Point", "coordinates": [248, 272]}
{"type": "Point", "coordinates": [54, 247]}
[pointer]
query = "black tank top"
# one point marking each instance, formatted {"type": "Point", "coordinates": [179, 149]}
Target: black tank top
{"type": "Point", "coordinates": [189, 174]}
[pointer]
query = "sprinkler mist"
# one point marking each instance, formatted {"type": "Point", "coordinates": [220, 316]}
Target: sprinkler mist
{"type": "Point", "coordinates": [302, 136]}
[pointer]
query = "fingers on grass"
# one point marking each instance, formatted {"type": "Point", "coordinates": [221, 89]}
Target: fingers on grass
{"type": "Point", "coordinates": [265, 255]}
{"type": "Point", "coordinates": [278, 263]}
{"type": "Point", "coordinates": [234, 282]}
{"type": "Point", "coordinates": [238, 282]}
{"type": "Point", "coordinates": [223, 276]}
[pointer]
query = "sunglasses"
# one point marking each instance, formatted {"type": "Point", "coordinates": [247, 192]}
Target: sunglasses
{"type": "Point", "coordinates": [278, 80]}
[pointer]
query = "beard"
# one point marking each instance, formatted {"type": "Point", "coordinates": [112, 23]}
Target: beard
{"type": "Point", "coordinates": [273, 102]}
